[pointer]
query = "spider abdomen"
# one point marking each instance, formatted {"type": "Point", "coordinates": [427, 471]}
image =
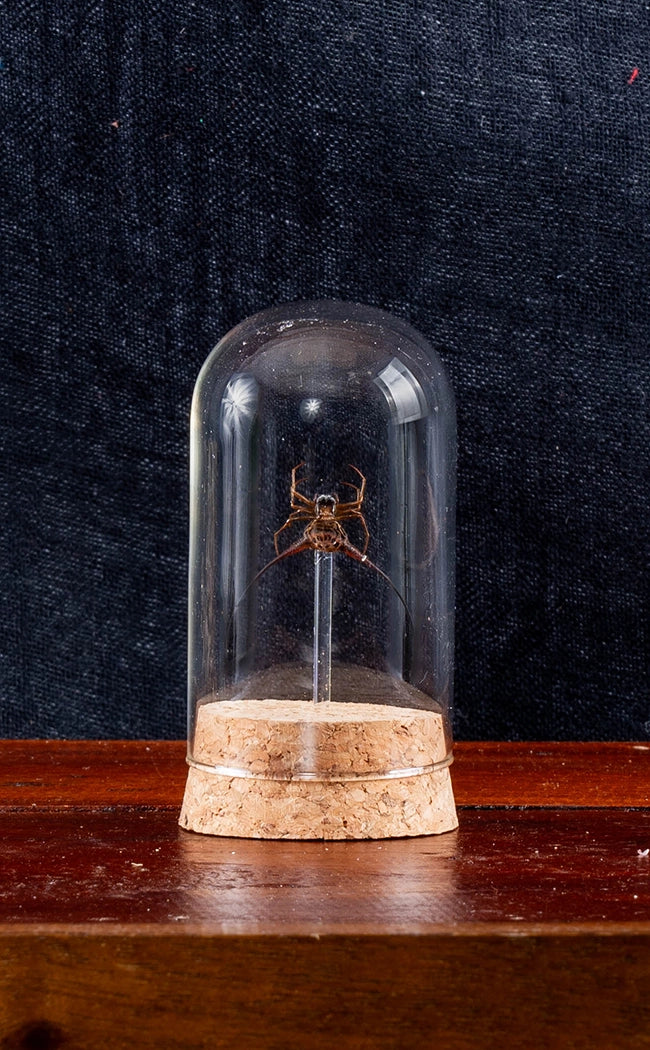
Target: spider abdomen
{"type": "Point", "coordinates": [325, 536]}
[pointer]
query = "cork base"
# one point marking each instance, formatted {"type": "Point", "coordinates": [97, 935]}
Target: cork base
{"type": "Point", "coordinates": [314, 771]}
{"type": "Point", "coordinates": [249, 807]}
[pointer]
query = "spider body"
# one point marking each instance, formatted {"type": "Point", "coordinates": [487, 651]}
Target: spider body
{"type": "Point", "coordinates": [323, 515]}
{"type": "Point", "coordinates": [325, 533]}
{"type": "Point", "coordinates": [323, 530]}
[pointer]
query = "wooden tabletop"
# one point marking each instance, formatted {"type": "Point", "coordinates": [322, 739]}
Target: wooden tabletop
{"type": "Point", "coordinates": [531, 922]}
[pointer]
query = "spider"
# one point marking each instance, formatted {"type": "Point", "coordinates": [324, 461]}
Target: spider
{"type": "Point", "coordinates": [323, 530]}
{"type": "Point", "coordinates": [324, 515]}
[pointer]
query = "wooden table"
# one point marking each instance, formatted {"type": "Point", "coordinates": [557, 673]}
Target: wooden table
{"type": "Point", "coordinates": [528, 927]}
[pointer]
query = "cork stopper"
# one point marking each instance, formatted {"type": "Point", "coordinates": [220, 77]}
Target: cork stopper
{"type": "Point", "coordinates": [294, 769]}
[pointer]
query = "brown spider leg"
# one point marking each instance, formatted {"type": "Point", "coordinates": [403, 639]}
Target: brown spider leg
{"type": "Point", "coordinates": [295, 492]}
{"type": "Point", "coordinates": [362, 490]}
{"type": "Point", "coordinates": [352, 552]}
{"type": "Point", "coordinates": [300, 513]}
{"type": "Point", "coordinates": [355, 503]}
{"type": "Point", "coordinates": [346, 548]}
{"type": "Point", "coordinates": [359, 491]}
{"type": "Point", "coordinates": [349, 485]}
{"type": "Point", "coordinates": [295, 495]}
{"type": "Point", "coordinates": [343, 508]}
{"type": "Point", "coordinates": [295, 548]}
{"type": "Point", "coordinates": [354, 513]}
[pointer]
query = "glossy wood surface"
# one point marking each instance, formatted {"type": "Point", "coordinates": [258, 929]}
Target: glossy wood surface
{"type": "Point", "coordinates": [54, 773]}
{"type": "Point", "coordinates": [530, 923]}
{"type": "Point", "coordinates": [507, 866]}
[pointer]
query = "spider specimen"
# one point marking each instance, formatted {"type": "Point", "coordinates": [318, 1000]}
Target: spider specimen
{"type": "Point", "coordinates": [323, 530]}
{"type": "Point", "coordinates": [324, 515]}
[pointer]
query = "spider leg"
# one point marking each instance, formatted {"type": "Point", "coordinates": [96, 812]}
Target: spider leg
{"type": "Point", "coordinates": [294, 472]}
{"type": "Point", "coordinates": [300, 545]}
{"type": "Point", "coordinates": [359, 515]}
{"type": "Point", "coordinates": [349, 485]}
{"type": "Point", "coordinates": [343, 510]}
{"type": "Point", "coordinates": [295, 482]}
{"type": "Point", "coordinates": [299, 514]}
{"type": "Point", "coordinates": [357, 555]}
{"type": "Point", "coordinates": [362, 490]}
{"type": "Point", "coordinates": [350, 510]}
{"type": "Point", "coordinates": [295, 496]}
{"type": "Point", "coordinates": [295, 548]}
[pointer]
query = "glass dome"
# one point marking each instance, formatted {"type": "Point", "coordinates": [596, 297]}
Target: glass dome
{"type": "Point", "coordinates": [321, 592]}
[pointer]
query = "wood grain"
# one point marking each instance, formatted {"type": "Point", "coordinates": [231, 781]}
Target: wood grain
{"type": "Point", "coordinates": [55, 773]}
{"type": "Point", "coordinates": [361, 993]}
{"type": "Point", "coordinates": [529, 924]}
{"type": "Point", "coordinates": [552, 774]}
{"type": "Point", "coordinates": [515, 866]}
{"type": "Point", "coordinates": [91, 774]}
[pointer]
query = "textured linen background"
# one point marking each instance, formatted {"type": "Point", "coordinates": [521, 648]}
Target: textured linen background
{"type": "Point", "coordinates": [480, 169]}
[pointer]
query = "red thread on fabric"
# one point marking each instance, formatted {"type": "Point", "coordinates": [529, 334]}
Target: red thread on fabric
{"type": "Point", "coordinates": [634, 75]}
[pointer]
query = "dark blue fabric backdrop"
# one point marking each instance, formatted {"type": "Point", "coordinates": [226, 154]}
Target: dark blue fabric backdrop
{"type": "Point", "coordinates": [479, 169]}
